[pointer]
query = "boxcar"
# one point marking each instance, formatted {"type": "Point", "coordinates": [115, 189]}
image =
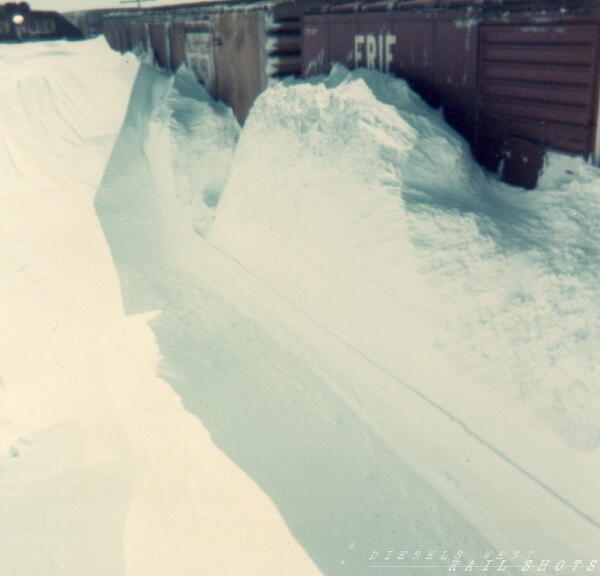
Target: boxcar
{"type": "Point", "coordinates": [514, 77]}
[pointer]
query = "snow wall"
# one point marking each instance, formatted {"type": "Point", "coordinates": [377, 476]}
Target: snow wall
{"type": "Point", "coordinates": [418, 338]}
{"type": "Point", "coordinates": [102, 470]}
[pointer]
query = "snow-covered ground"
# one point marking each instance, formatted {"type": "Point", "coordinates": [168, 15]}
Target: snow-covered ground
{"type": "Point", "coordinates": [102, 471]}
{"type": "Point", "coordinates": [377, 345]}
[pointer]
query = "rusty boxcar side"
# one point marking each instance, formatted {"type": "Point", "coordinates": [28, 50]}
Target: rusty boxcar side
{"type": "Point", "coordinates": [232, 48]}
{"type": "Point", "coordinates": [514, 77]}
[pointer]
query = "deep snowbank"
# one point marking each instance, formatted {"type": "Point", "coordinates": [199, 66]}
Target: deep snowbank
{"type": "Point", "coordinates": [66, 471]}
{"type": "Point", "coordinates": [234, 352]}
{"type": "Point", "coordinates": [102, 471]}
{"type": "Point", "coordinates": [340, 391]}
{"type": "Point", "coordinates": [355, 200]}
{"type": "Point", "coordinates": [354, 188]}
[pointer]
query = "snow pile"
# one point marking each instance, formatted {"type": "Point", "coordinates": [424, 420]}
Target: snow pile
{"type": "Point", "coordinates": [470, 300]}
{"type": "Point", "coordinates": [519, 276]}
{"type": "Point", "coordinates": [354, 188]}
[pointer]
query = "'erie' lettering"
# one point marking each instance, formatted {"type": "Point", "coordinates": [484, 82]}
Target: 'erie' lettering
{"type": "Point", "coordinates": [374, 51]}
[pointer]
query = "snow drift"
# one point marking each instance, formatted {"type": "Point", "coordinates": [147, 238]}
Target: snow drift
{"type": "Point", "coordinates": [395, 348]}
{"type": "Point", "coordinates": [102, 471]}
{"type": "Point", "coordinates": [313, 327]}
{"type": "Point", "coordinates": [353, 199]}
{"type": "Point", "coordinates": [355, 188]}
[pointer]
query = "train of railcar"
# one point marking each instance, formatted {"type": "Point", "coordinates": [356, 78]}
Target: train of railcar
{"type": "Point", "coordinates": [515, 77]}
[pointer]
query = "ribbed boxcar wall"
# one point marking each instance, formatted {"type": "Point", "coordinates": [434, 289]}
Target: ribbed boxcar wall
{"type": "Point", "coordinates": [159, 38]}
{"type": "Point", "coordinates": [539, 83]}
{"type": "Point", "coordinates": [109, 33]}
{"type": "Point", "coordinates": [125, 32]}
{"type": "Point", "coordinates": [239, 59]}
{"type": "Point", "coordinates": [512, 81]}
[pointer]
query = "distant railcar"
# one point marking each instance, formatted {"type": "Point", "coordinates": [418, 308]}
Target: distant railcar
{"type": "Point", "coordinates": [514, 77]}
{"type": "Point", "coordinates": [18, 23]}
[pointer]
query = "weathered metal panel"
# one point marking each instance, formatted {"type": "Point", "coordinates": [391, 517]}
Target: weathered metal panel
{"type": "Point", "coordinates": [507, 74]}
{"type": "Point", "coordinates": [159, 41]}
{"type": "Point", "coordinates": [117, 36]}
{"type": "Point", "coordinates": [343, 31]}
{"type": "Point", "coordinates": [112, 36]}
{"type": "Point", "coordinates": [139, 41]}
{"type": "Point", "coordinates": [375, 43]}
{"type": "Point", "coordinates": [315, 46]}
{"type": "Point", "coordinates": [597, 119]}
{"type": "Point", "coordinates": [414, 51]}
{"type": "Point", "coordinates": [401, 43]}
{"type": "Point", "coordinates": [177, 40]}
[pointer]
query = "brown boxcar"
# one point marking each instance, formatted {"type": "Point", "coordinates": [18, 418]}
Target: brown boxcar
{"type": "Point", "coordinates": [232, 48]}
{"type": "Point", "coordinates": [514, 77]}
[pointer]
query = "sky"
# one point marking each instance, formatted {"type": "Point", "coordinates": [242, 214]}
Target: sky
{"type": "Point", "coordinates": [71, 5]}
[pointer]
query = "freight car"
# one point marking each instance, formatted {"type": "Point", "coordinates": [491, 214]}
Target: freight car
{"type": "Point", "coordinates": [18, 23]}
{"type": "Point", "coordinates": [515, 77]}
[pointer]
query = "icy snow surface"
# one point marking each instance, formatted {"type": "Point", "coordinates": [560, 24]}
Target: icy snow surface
{"type": "Point", "coordinates": [397, 349]}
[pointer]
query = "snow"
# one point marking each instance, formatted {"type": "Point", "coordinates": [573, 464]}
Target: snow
{"type": "Point", "coordinates": [501, 282]}
{"type": "Point", "coordinates": [357, 202]}
{"type": "Point", "coordinates": [102, 470]}
{"type": "Point", "coordinates": [321, 336]}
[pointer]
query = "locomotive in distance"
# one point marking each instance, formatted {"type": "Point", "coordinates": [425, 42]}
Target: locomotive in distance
{"type": "Point", "coordinates": [19, 23]}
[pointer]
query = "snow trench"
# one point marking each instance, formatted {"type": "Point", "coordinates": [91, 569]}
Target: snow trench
{"type": "Point", "coordinates": [390, 341]}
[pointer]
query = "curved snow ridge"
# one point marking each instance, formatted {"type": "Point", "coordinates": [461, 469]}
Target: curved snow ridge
{"type": "Point", "coordinates": [355, 200]}
{"type": "Point", "coordinates": [192, 509]}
